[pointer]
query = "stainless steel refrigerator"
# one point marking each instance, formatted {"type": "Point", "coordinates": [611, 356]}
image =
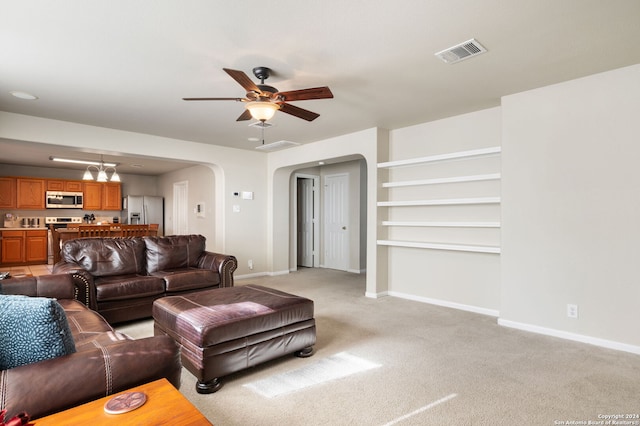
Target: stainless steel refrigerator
{"type": "Point", "coordinates": [144, 210]}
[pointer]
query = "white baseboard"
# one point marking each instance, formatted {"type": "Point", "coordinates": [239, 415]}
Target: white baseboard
{"type": "Point", "coordinates": [285, 272]}
{"type": "Point", "coordinates": [446, 304]}
{"type": "Point", "coordinates": [249, 276]}
{"type": "Point", "coordinates": [260, 274]}
{"type": "Point", "coordinates": [571, 336]}
{"type": "Point", "coordinates": [513, 324]}
{"type": "Point", "coordinates": [375, 295]}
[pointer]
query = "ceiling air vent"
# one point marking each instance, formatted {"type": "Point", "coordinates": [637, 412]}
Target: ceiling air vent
{"type": "Point", "coordinates": [275, 146]}
{"type": "Point", "coordinates": [461, 51]}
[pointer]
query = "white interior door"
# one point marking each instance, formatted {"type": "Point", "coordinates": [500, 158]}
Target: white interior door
{"type": "Point", "coordinates": [336, 216]}
{"type": "Point", "coordinates": [180, 208]}
{"type": "Point", "coordinates": [305, 222]}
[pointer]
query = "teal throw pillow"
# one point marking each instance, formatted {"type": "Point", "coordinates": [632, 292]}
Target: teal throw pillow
{"type": "Point", "coordinates": [32, 329]}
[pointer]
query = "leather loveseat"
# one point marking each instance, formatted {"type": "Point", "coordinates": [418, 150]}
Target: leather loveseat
{"type": "Point", "coordinates": [104, 361]}
{"type": "Point", "coordinates": [121, 277]}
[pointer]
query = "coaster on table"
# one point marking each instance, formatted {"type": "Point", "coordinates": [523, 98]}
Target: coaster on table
{"type": "Point", "coordinates": [125, 402]}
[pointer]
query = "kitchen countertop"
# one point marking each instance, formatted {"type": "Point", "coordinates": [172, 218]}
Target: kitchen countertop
{"type": "Point", "coordinates": [20, 228]}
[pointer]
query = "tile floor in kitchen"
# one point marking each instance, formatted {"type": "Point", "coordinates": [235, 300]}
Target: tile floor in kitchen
{"type": "Point", "coordinates": [34, 270]}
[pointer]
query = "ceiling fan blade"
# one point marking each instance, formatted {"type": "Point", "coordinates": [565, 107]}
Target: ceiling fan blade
{"type": "Point", "coordinates": [243, 79]}
{"type": "Point", "coordinates": [298, 112]}
{"type": "Point", "coordinates": [246, 115]}
{"type": "Point", "coordinates": [213, 99]}
{"type": "Point", "coordinates": [304, 94]}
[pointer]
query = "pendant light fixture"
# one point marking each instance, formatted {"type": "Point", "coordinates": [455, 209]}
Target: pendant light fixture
{"type": "Point", "coordinates": [102, 173]}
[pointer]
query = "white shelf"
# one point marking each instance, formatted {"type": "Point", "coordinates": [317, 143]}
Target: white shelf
{"type": "Point", "coordinates": [443, 224]}
{"type": "Point", "coordinates": [456, 179]}
{"type": "Point", "coordinates": [471, 154]}
{"type": "Point", "coordinates": [440, 246]}
{"type": "Point", "coordinates": [442, 157]}
{"type": "Point", "coordinates": [441, 202]}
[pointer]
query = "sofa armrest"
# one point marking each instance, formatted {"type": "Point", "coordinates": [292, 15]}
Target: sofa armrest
{"type": "Point", "coordinates": [58, 286]}
{"type": "Point", "coordinates": [224, 264]}
{"type": "Point", "coordinates": [83, 281]}
{"type": "Point", "coordinates": [57, 384]}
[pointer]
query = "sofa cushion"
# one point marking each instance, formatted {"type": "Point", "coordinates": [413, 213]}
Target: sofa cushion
{"type": "Point", "coordinates": [127, 287]}
{"type": "Point", "coordinates": [83, 322]}
{"type": "Point", "coordinates": [101, 340]}
{"type": "Point", "coordinates": [102, 257]}
{"type": "Point", "coordinates": [173, 252]}
{"type": "Point", "coordinates": [32, 329]}
{"type": "Point", "coordinates": [188, 279]}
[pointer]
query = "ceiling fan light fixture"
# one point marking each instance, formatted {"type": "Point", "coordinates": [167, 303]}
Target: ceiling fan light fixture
{"type": "Point", "coordinates": [262, 111]}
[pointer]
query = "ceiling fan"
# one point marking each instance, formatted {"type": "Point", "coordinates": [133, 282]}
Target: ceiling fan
{"type": "Point", "coordinates": [262, 101]}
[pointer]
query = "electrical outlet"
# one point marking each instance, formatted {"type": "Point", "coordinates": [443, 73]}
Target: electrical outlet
{"type": "Point", "coordinates": [250, 263]}
{"type": "Point", "coordinates": [572, 311]}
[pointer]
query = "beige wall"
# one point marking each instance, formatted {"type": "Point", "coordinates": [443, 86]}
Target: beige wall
{"type": "Point", "coordinates": [460, 279]}
{"type": "Point", "coordinates": [571, 208]}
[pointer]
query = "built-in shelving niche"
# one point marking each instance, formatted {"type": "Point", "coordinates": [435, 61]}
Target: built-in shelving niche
{"type": "Point", "coordinates": [444, 202]}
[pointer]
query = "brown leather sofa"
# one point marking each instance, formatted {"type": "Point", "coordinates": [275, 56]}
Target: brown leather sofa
{"type": "Point", "coordinates": [121, 277]}
{"type": "Point", "coordinates": [105, 361]}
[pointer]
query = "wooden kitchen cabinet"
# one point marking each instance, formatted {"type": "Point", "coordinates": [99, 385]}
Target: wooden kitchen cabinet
{"type": "Point", "coordinates": [30, 193]}
{"type": "Point", "coordinates": [24, 247]}
{"type": "Point", "coordinates": [111, 196]}
{"type": "Point", "coordinates": [35, 246]}
{"type": "Point", "coordinates": [7, 193]}
{"type": "Point", "coordinates": [12, 247]}
{"type": "Point", "coordinates": [64, 185]}
{"type": "Point", "coordinates": [92, 196]}
{"type": "Point", "coordinates": [102, 196]}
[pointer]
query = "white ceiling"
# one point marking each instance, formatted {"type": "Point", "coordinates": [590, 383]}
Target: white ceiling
{"type": "Point", "coordinates": [127, 64]}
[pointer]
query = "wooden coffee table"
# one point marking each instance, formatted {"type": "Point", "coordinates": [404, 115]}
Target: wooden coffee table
{"type": "Point", "coordinates": [164, 406]}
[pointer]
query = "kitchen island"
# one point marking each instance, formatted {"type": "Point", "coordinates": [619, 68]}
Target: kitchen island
{"type": "Point", "coordinates": [113, 230]}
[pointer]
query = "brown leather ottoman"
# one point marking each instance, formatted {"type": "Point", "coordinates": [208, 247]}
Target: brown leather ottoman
{"type": "Point", "coordinates": [225, 330]}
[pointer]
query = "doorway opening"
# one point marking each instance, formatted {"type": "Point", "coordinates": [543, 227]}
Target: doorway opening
{"type": "Point", "coordinates": [307, 220]}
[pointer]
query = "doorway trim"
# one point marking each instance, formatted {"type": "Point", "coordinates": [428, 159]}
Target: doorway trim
{"type": "Point", "coordinates": [316, 218]}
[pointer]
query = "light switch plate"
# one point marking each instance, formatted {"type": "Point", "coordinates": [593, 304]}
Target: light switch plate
{"type": "Point", "coordinates": [200, 210]}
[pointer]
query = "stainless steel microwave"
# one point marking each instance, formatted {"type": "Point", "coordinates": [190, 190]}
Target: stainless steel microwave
{"type": "Point", "coordinates": [64, 200]}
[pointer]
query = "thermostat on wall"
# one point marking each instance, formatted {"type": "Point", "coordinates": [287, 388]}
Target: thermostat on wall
{"type": "Point", "coordinates": [199, 210]}
{"type": "Point", "coordinates": [247, 195]}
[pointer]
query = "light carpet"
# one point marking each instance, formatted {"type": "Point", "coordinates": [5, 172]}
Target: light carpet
{"type": "Point", "coordinates": [499, 375]}
{"type": "Point", "coordinates": [330, 368]}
